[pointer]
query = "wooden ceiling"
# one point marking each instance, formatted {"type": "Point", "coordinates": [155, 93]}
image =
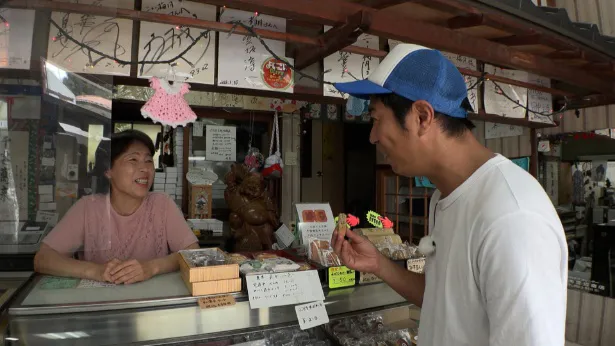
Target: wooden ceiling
{"type": "Point", "coordinates": [583, 75]}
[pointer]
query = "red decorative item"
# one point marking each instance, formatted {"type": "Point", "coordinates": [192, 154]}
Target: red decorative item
{"type": "Point", "coordinates": [274, 163]}
{"type": "Point", "coordinates": [386, 223]}
{"type": "Point", "coordinates": [352, 220]}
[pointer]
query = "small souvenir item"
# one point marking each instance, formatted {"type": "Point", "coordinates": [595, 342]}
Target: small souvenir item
{"type": "Point", "coordinates": [273, 164]}
{"type": "Point", "coordinates": [168, 106]}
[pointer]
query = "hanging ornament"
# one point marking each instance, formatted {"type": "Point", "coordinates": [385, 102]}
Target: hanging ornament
{"type": "Point", "coordinates": [274, 163]}
{"type": "Point", "coordinates": [254, 159]}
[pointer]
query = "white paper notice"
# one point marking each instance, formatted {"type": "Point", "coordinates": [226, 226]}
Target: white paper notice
{"type": "Point", "coordinates": [16, 38]}
{"type": "Point", "coordinates": [284, 236]}
{"type": "Point", "coordinates": [495, 130]}
{"type": "Point", "coordinates": [267, 290]}
{"type": "Point", "coordinates": [109, 35]}
{"type": "Point", "coordinates": [316, 221]}
{"type": "Point", "coordinates": [221, 144]}
{"type": "Point", "coordinates": [342, 66]}
{"type": "Point", "coordinates": [197, 129]}
{"type": "Point", "coordinates": [163, 41]}
{"type": "Point", "coordinates": [311, 315]}
{"type": "Point", "coordinates": [47, 216]}
{"type": "Point", "coordinates": [45, 198]}
{"type": "Point", "coordinates": [245, 63]}
{"type": "Point", "coordinates": [495, 100]}
{"type": "Point", "coordinates": [45, 189]}
{"type": "Point", "coordinates": [539, 101]}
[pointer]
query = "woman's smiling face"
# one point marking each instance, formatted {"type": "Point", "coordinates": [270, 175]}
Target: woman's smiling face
{"type": "Point", "coordinates": [132, 172]}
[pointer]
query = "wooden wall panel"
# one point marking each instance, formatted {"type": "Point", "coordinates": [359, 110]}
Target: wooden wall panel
{"type": "Point", "coordinates": [291, 175]}
{"type": "Point", "coordinates": [608, 323]}
{"type": "Point", "coordinates": [573, 310]}
{"type": "Point", "coordinates": [590, 319]}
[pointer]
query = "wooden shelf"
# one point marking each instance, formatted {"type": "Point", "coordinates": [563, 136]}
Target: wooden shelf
{"type": "Point", "coordinates": [492, 118]}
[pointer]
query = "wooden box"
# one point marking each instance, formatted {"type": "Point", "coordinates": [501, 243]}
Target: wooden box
{"type": "Point", "coordinates": [200, 202]}
{"type": "Point", "coordinates": [212, 287]}
{"type": "Point", "coordinates": [208, 273]}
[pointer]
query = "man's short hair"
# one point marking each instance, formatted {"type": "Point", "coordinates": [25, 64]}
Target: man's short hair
{"type": "Point", "coordinates": [452, 127]}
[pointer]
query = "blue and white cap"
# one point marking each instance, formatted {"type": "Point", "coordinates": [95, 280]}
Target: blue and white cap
{"type": "Point", "coordinates": [416, 73]}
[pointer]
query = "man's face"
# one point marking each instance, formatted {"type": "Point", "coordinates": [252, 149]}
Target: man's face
{"type": "Point", "coordinates": [401, 146]}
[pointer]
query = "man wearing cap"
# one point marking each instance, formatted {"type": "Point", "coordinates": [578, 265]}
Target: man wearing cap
{"type": "Point", "coordinates": [496, 273]}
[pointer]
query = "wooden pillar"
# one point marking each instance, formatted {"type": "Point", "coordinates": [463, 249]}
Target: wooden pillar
{"type": "Point", "coordinates": [534, 153]}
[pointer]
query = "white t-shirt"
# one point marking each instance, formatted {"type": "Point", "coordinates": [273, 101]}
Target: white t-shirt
{"type": "Point", "coordinates": [499, 273]}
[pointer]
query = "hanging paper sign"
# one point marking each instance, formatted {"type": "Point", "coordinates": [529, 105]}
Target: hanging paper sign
{"type": "Point", "coordinates": [373, 219]}
{"type": "Point", "coordinates": [342, 66]}
{"type": "Point", "coordinates": [242, 58]}
{"type": "Point", "coordinates": [111, 36]}
{"type": "Point", "coordinates": [16, 38]}
{"type": "Point", "coordinates": [539, 102]}
{"type": "Point", "coordinates": [276, 74]}
{"type": "Point", "coordinates": [163, 41]}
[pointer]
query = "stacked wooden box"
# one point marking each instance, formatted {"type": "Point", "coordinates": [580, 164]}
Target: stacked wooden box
{"type": "Point", "coordinates": [213, 279]}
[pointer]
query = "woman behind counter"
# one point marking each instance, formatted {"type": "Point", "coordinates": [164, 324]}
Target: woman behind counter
{"type": "Point", "coordinates": [124, 236]}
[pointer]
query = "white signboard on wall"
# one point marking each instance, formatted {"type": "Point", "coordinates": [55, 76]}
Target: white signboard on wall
{"type": "Point", "coordinates": [341, 67]}
{"type": "Point", "coordinates": [163, 42]}
{"type": "Point", "coordinates": [243, 61]}
{"type": "Point", "coordinates": [499, 101]}
{"type": "Point", "coordinates": [539, 101]}
{"type": "Point", "coordinates": [221, 143]}
{"type": "Point", "coordinates": [111, 36]}
{"type": "Point", "coordinates": [16, 31]}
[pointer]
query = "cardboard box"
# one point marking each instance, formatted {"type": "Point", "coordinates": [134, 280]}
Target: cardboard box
{"type": "Point", "coordinates": [200, 197]}
{"type": "Point", "coordinates": [212, 287]}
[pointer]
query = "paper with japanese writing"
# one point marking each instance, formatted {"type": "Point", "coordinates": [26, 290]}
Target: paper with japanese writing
{"type": "Point", "coordinates": [497, 103]}
{"type": "Point", "coordinates": [341, 66]}
{"type": "Point", "coordinates": [16, 38]}
{"type": "Point", "coordinates": [14, 175]}
{"type": "Point", "coordinates": [311, 315]}
{"type": "Point", "coordinates": [221, 144]}
{"type": "Point", "coordinates": [163, 41]}
{"type": "Point", "coordinates": [471, 82]}
{"type": "Point", "coordinates": [341, 277]}
{"type": "Point", "coordinates": [111, 36]}
{"type": "Point", "coordinates": [241, 58]}
{"type": "Point", "coordinates": [219, 301]}
{"type": "Point", "coordinates": [539, 101]}
{"type": "Point", "coordinates": [315, 228]}
{"type": "Point", "coordinates": [284, 236]}
{"type": "Point", "coordinates": [279, 289]}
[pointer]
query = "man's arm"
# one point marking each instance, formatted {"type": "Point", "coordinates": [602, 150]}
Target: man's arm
{"type": "Point", "coordinates": [408, 284]}
{"type": "Point", "coordinates": [522, 265]}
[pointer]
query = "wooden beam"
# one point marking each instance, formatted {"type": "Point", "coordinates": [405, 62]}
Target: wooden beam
{"type": "Point", "coordinates": [176, 20]}
{"type": "Point", "coordinates": [520, 40]}
{"type": "Point", "coordinates": [382, 4]}
{"type": "Point", "coordinates": [566, 55]}
{"type": "Point", "coordinates": [334, 40]}
{"type": "Point", "coordinates": [493, 118]}
{"type": "Point", "coordinates": [466, 21]}
{"type": "Point", "coordinates": [397, 26]}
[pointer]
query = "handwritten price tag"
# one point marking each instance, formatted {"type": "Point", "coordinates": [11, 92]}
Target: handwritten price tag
{"type": "Point", "coordinates": [368, 278]}
{"type": "Point", "coordinates": [216, 301]}
{"type": "Point", "coordinates": [341, 277]}
{"type": "Point", "coordinates": [311, 315]}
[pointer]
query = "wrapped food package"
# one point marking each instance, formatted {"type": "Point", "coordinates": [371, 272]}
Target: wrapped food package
{"type": "Point", "coordinates": [367, 330]}
{"type": "Point", "coordinates": [269, 265]}
{"type": "Point", "coordinates": [322, 253]}
{"type": "Point", "coordinates": [205, 257]}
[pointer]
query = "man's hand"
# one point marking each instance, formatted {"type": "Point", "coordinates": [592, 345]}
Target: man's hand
{"type": "Point", "coordinates": [360, 254]}
{"type": "Point", "coordinates": [103, 271]}
{"type": "Point", "coordinates": [131, 271]}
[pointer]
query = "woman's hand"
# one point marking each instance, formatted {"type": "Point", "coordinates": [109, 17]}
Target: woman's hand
{"type": "Point", "coordinates": [131, 271]}
{"type": "Point", "coordinates": [360, 254]}
{"type": "Point", "coordinates": [103, 271]}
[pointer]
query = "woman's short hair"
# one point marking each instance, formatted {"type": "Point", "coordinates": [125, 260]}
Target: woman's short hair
{"type": "Point", "coordinates": [109, 150]}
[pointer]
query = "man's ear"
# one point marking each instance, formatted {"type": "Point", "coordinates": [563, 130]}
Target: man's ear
{"type": "Point", "coordinates": [425, 114]}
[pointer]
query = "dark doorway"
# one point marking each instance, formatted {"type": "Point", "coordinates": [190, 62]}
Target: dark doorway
{"type": "Point", "coordinates": [360, 171]}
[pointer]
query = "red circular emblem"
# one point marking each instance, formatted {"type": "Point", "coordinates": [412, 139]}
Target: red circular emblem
{"type": "Point", "coordinates": [277, 74]}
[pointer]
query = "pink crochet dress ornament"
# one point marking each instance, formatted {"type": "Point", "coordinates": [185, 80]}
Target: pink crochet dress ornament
{"type": "Point", "coordinates": [168, 105]}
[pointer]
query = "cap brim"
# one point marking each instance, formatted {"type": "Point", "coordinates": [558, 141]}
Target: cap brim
{"type": "Point", "coordinates": [361, 88]}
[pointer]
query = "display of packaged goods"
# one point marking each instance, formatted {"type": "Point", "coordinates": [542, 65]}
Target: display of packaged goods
{"type": "Point", "coordinates": [265, 255]}
{"type": "Point", "coordinates": [292, 336]}
{"type": "Point", "coordinates": [320, 251]}
{"type": "Point", "coordinates": [207, 265]}
{"type": "Point", "coordinates": [374, 231]}
{"type": "Point", "coordinates": [236, 258]}
{"type": "Point", "coordinates": [398, 251]}
{"type": "Point", "coordinates": [269, 265]}
{"type": "Point", "coordinates": [367, 330]}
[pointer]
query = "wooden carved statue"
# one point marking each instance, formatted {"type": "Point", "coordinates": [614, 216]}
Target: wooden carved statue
{"type": "Point", "coordinates": [253, 217]}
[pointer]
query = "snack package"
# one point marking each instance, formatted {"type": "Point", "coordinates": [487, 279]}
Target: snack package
{"type": "Point", "coordinates": [236, 258]}
{"type": "Point", "coordinates": [205, 257]}
{"type": "Point", "coordinates": [342, 225]}
{"type": "Point", "coordinates": [366, 330]}
{"type": "Point", "coordinates": [265, 255]}
{"type": "Point", "coordinates": [268, 265]}
{"type": "Point", "coordinates": [321, 252]}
